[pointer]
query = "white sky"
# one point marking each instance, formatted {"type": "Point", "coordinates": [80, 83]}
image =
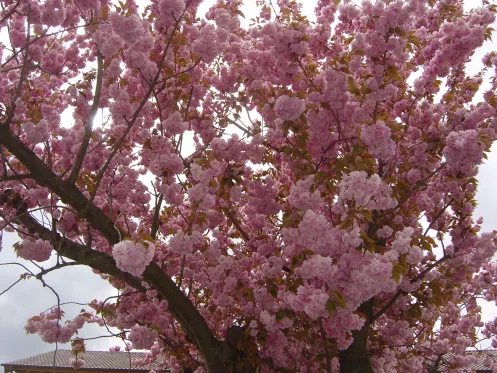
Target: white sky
{"type": "Point", "coordinates": [79, 284]}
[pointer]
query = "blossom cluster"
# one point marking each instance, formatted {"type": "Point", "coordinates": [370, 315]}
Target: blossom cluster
{"type": "Point", "coordinates": [369, 192]}
{"type": "Point", "coordinates": [38, 250]}
{"type": "Point", "coordinates": [142, 337]}
{"type": "Point", "coordinates": [50, 328]}
{"type": "Point", "coordinates": [289, 108]}
{"type": "Point", "coordinates": [378, 139]}
{"type": "Point", "coordinates": [308, 185]}
{"type": "Point", "coordinates": [133, 257]}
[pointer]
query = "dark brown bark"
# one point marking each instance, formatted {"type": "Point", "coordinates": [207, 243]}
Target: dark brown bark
{"type": "Point", "coordinates": [217, 354]}
{"type": "Point", "coordinates": [220, 356]}
{"type": "Point", "coordinates": [356, 359]}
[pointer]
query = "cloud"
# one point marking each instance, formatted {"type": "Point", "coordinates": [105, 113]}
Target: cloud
{"type": "Point", "coordinates": [28, 298]}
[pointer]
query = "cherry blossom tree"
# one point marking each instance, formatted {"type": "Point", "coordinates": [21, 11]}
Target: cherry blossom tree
{"type": "Point", "coordinates": [294, 196]}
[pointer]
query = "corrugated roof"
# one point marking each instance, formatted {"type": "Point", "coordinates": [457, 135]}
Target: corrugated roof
{"type": "Point", "coordinates": [480, 362]}
{"type": "Point", "coordinates": [93, 360]}
{"type": "Point", "coordinates": [108, 360]}
{"type": "Point", "coordinates": [479, 365]}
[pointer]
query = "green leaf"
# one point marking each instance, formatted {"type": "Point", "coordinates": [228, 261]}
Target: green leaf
{"type": "Point", "coordinates": [250, 294]}
{"type": "Point", "coordinates": [353, 87]}
{"type": "Point", "coordinates": [347, 223]}
{"type": "Point", "coordinates": [368, 215]}
{"type": "Point", "coordinates": [338, 298]}
{"type": "Point", "coordinates": [331, 307]}
{"type": "Point", "coordinates": [281, 314]}
{"type": "Point", "coordinates": [240, 13]}
{"type": "Point", "coordinates": [426, 246]}
{"type": "Point", "coordinates": [397, 272]}
{"type": "Point", "coordinates": [301, 141]}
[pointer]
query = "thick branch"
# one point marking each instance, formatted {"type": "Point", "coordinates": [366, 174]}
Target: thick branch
{"type": "Point", "coordinates": [79, 253]}
{"type": "Point", "coordinates": [179, 304]}
{"type": "Point", "coordinates": [15, 177]}
{"type": "Point", "coordinates": [326, 350]}
{"type": "Point", "coordinates": [67, 192]}
{"type": "Point", "coordinates": [356, 359]}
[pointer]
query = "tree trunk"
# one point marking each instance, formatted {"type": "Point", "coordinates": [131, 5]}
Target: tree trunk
{"type": "Point", "coordinates": [356, 359]}
{"type": "Point", "coordinates": [180, 305]}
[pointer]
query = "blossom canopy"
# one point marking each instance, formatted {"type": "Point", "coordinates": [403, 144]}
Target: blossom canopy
{"type": "Point", "coordinates": [272, 195]}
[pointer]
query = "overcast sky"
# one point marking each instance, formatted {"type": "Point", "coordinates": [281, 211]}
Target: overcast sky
{"type": "Point", "coordinates": [79, 284]}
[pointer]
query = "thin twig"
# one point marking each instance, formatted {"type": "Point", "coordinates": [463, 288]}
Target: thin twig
{"type": "Point", "coordinates": [57, 266]}
{"type": "Point", "coordinates": [438, 216]}
{"type": "Point", "coordinates": [24, 71]}
{"type": "Point", "coordinates": [136, 114]}
{"type": "Point", "coordinates": [155, 221]}
{"type": "Point", "coordinates": [91, 117]}
{"type": "Point", "coordinates": [11, 286]}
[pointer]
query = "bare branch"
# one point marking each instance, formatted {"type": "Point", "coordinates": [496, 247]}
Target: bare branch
{"type": "Point", "coordinates": [91, 117]}
{"type": "Point", "coordinates": [15, 177]}
{"type": "Point", "coordinates": [24, 70]}
{"type": "Point", "coordinates": [137, 112]}
{"type": "Point", "coordinates": [10, 12]}
{"type": "Point", "coordinates": [438, 216]}
{"type": "Point", "coordinates": [400, 292]}
{"type": "Point", "coordinates": [155, 221]}
{"type": "Point", "coordinates": [237, 225]}
{"type": "Point", "coordinates": [57, 266]}
{"type": "Point", "coordinates": [11, 286]}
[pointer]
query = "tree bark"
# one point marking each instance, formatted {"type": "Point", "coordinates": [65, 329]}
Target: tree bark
{"type": "Point", "coordinates": [216, 353]}
{"type": "Point", "coordinates": [356, 359]}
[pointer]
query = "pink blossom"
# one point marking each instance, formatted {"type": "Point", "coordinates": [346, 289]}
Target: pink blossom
{"type": "Point", "coordinates": [174, 125]}
{"type": "Point", "coordinates": [36, 133]}
{"type": "Point", "coordinates": [209, 45]}
{"type": "Point", "coordinates": [318, 267]}
{"type": "Point", "coordinates": [171, 8]}
{"type": "Point", "coordinates": [142, 337]}
{"type": "Point", "coordinates": [50, 328]}
{"type": "Point", "coordinates": [88, 4]}
{"type": "Point", "coordinates": [313, 153]}
{"type": "Point", "coordinates": [115, 65]}
{"type": "Point", "coordinates": [76, 363]}
{"type": "Point", "coordinates": [371, 192]}
{"type": "Point", "coordinates": [301, 195]}
{"type": "Point", "coordinates": [402, 241]}
{"type": "Point", "coordinates": [38, 250]}
{"type": "Point", "coordinates": [464, 151]}
{"type": "Point", "coordinates": [133, 257]}
{"type": "Point", "coordinates": [310, 300]}
{"type": "Point", "coordinates": [224, 19]}
{"type": "Point", "coordinates": [184, 244]}
{"type": "Point", "coordinates": [289, 108]}
{"type": "Point", "coordinates": [54, 12]}
{"type": "Point", "coordinates": [415, 255]}
{"type": "Point", "coordinates": [384, 232]}
{"type": "Point", "coordinates": [130, 29]}
{"type": "Point", "coordinates": [378, 139]}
